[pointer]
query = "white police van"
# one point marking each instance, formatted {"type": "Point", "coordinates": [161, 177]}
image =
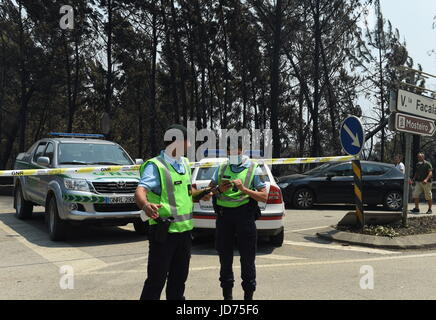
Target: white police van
{"type": "Point", "coordinates": [272, 212]}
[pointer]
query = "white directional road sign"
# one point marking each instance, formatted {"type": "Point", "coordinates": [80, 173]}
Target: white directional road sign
{"type": "Point", "coordinates": [416, 104]}
{"type": "Point", "coordinates": [414, 125]}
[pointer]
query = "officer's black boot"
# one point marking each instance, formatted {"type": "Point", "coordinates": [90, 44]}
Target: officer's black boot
{"type": "Point", "coordinates": [248, 295]}
{"type": "Point", "coordinates": [227, 293]}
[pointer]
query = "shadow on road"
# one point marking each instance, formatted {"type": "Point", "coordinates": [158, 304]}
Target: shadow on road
{"type": "Point", "coordinates": [315, 239]}
{"type": "Point", "coordinates": [35, 231]}
{"type": "Point", "coordinates": [205, 245]}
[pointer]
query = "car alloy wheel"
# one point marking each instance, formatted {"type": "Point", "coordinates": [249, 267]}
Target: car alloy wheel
{"type": "Point", "coordinates": [394, 200]}
{"type": "Point", "coordinates": [304, 199]}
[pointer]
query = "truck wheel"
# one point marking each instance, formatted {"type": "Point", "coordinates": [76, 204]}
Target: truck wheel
{"type": "Point", "coordinates": [141, 227]}
{"type": "Point", "coordinates": [23, 208]}
{"type": "Point", "coordinates": [56, 227]}
{"type": "Point", "coordinates": [277, 240]}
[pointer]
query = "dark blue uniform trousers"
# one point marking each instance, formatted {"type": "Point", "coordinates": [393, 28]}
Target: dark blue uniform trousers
{"type": "Point", "coordinates": [168, 262]}
{"type": "Point", "coordinates": [239, 222]}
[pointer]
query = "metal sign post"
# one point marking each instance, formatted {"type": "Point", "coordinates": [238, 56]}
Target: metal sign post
{"type": "Point", "coordinates": [352, 140]}
{"type": "Point", "coordinates": [357, 173]}
{"type": "Point", "coordinates": [406, 185]}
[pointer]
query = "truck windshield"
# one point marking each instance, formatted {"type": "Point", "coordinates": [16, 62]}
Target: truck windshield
{"type": "Point", "coordinates": [92, 154]}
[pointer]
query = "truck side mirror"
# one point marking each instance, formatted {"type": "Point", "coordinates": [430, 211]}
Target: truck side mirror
{"type": "Point", "coordinates": [43, 161]}
{"type": "Point", "coordinates": [139, 161]}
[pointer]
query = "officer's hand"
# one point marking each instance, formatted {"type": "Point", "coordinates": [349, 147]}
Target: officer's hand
{"type": "Point", "coordinates": [151, 210]}
{"type": "Point", "coordinates": [207, 196]}
{"type": "Point", "coordinates": [238, 184]}
{"type": "Point", "coordinates": [424, 181]}
{"type": "Point", "coordinates": [225, 185]}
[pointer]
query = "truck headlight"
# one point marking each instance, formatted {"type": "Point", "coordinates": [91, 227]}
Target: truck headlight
{"type": "Point", "coordinates": [76, 184]}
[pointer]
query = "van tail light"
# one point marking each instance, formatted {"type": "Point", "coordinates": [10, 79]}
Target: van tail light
{"type": "Point", "coordinates": [195, 186]}
{"type": "Point", "coordinates": [274, 195]}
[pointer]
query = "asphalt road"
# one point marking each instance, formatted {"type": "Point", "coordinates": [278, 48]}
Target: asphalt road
{"type": "Point", "coordinates": [110, 263]}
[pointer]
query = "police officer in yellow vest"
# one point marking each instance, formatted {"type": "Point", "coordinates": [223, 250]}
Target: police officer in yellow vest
{"type": "Point", "coordinates": [238, 188]}
{"type": "Point", "coordinates": [165, 195]}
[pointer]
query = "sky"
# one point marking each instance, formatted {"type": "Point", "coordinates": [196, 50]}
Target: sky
{"type": "Point", "coordinates": [414, 20]}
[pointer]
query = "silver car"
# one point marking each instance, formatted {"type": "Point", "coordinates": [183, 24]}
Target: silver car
{"type": "Point", "coordinates": [98, 197]}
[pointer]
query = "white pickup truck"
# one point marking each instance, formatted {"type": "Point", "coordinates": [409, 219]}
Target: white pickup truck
{"type": "Point", "coordinates": [97, 197]}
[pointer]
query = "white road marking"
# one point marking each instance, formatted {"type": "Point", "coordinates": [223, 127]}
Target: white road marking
{"type": "Point", "coordinates": [117, 263]}
{"type": "Point", "coordinates": [85, 273]}
{"type": "Point", "coordinates": [279, 257]}
{"type": "Point", "coordinates": [338, 247]}
{"type": "Point", "coordinates": [309, 263]}
{"type": "Point", "coordinates": [281, 265]}
{"type": "Point", "coordinates": [58, 254]}
{"type": "Point", "coordinates": [307, 229]}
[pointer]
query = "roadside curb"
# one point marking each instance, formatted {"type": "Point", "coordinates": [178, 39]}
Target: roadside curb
{"type": "Point", "coordinates": [422, 241]}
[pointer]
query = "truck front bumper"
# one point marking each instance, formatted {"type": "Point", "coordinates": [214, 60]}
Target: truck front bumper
{"type": "Point", "coordinates": [76, 215]}
{"type": "Point", "coordinates": [81, 211]}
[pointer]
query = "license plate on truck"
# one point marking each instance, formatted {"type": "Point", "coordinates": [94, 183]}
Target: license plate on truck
{"type": "Point", "coordinates": [117, 200]}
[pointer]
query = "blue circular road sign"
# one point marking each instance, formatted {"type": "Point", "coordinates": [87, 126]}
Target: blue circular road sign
{"type": "Point", "coordinates": [352, 135]}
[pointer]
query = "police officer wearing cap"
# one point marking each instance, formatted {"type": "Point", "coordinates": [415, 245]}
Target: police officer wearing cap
{"type": "Point", "coordinates": [238, 186]}
{"type": "Point", "coordinates": [165, 195]}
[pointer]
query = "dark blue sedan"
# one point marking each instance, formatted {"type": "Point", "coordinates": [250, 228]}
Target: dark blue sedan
{"type": "Point", "coordinates": [334, 183]}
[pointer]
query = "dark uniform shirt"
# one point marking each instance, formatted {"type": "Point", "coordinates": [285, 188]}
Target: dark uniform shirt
{"type": "Point", "coordinates": [422, 170]}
